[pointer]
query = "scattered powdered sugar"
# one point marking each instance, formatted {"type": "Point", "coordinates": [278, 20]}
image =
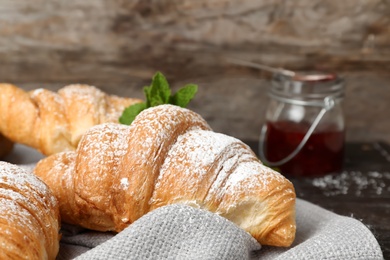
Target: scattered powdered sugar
{"type": "Point", "coordinates": [104, 144]}
{"type": "Point", "coordinates": [17, 177]}
{"type": "Point", "coordinates": [74, 103]}
{"type": "Point", "coordinates": [225, 170]}
{"type": "Point", "coordinates": [13, 212]}
{"type": "Point", "coordinates": [21, 194]}
{"type": "Point", "coordinates": [243, 172]}
{"type": "Point", "coordinates": [106, 108]}
{"type": "Point", "coordinates": [28, 167]}
{"type": "Point", "coordinates": [44, 97]}
{"type": "Point", "coordinates": [26, 182]}
{"type": "Point", "coordinates": [354, 182]}
{"type": "Point", "coordinates": [194, 153]}
{"type": "Point", "coordinates": [17, 198]}
{"type": "Point", "coordinates": [160, 122]}
{"type": "Point", "coordinates": [64, 163]}
{"type": "Point", "coordinates": [221, 164]}
{"type": "Point", "coordinates": [63, 171]}
{"type": "Point", "coordinates": [252, 176]}
{"type": "Point", "coordinates": [125, 183]}
{"type": "Point", "coordinates": [202, 147]}
{"type": "Point", "coordinates": [81, 92]}
{"type": "Point", "coordinates": [42, 94]}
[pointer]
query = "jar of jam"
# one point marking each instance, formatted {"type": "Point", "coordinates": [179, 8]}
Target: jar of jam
{"type": "Point", "coordinates": [304, 132]}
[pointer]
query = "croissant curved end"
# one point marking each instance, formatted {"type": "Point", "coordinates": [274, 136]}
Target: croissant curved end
{"type": "Point", "coordinates": [273, 228]}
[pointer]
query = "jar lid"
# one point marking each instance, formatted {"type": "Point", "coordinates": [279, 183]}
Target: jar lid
{"type": "Point", "coordinates": [307, 88]}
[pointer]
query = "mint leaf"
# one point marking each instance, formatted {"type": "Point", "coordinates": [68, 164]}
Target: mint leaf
{"type": "Point", "coordinates": [147, 90]}
{"type": "Point", "coordinates": [184, 95]}
{"type": "Point", "coordinates": [159, 93]}
{"type": "Point", "coordinates": [131, 112]}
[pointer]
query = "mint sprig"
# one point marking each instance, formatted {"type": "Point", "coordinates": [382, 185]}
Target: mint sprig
{"type": "Point", "coordinates": [158, 93]}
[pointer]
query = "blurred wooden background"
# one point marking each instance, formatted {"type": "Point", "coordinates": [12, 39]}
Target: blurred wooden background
{"type": "Point", "coordinates": [118, 45]}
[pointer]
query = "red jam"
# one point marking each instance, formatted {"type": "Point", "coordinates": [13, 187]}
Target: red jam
{"type": "Point", "coordinates": [323, 153]}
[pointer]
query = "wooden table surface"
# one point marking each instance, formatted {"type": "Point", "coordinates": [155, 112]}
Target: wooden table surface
{"type": "Point", "coordinates": [361, 190]}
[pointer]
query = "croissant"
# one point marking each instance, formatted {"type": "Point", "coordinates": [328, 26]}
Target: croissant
{"type": "Point", "coordinates": [52, 122]}
{"type": "Point", "coordinates": [168, 155]}
{"type": "Point", "coordinates": [29, 216]}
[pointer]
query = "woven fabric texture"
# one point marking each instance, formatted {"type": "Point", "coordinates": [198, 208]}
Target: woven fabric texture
{"type": "Point", "coordinates": [183, 232]}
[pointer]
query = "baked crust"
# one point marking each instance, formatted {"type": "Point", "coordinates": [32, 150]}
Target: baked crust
{"type": "Point", "coordinates": [169, 155]}
{"type": "Point", "coordinates": [29, 216]}
{"type": "Point", "coordinates": [53, 122]}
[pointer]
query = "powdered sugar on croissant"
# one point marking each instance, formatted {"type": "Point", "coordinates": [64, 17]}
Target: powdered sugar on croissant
{"type": "Point", "coordinates": [168, 155]}
{"type": "Point", "coordinates": [29, 216]}
{"type": "Point", "coordinates": [55, 121]}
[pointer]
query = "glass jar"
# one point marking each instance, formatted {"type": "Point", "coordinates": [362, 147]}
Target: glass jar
{"type": "Point", "coordinates": [304, 132]}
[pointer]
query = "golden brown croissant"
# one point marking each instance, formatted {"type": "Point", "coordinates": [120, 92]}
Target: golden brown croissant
{"type": "Point", "coordinates": [53, 122]}
{"type": "Point", "coordinates": [29, 216]}
{"type": "Point", "coordinates": [168, 155]}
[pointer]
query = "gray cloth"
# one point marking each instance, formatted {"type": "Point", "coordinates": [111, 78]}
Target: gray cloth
{"type": "Point", "coordinates": [178, 232]}
{"type": "Point", "coordinates": [183, 232]}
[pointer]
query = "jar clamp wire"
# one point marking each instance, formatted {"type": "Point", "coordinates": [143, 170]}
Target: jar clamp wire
{"type": "Point", "coordinates": [307, 124]}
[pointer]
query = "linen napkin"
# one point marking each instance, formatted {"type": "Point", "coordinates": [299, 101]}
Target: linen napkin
{"type": "Point", "coordinates": [183, 232]}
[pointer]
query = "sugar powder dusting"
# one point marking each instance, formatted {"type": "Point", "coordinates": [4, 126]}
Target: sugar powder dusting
{"type": "Point", "coordinates": [353, 182]}
{"type": "Point", "coordinates": [20, 194]}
